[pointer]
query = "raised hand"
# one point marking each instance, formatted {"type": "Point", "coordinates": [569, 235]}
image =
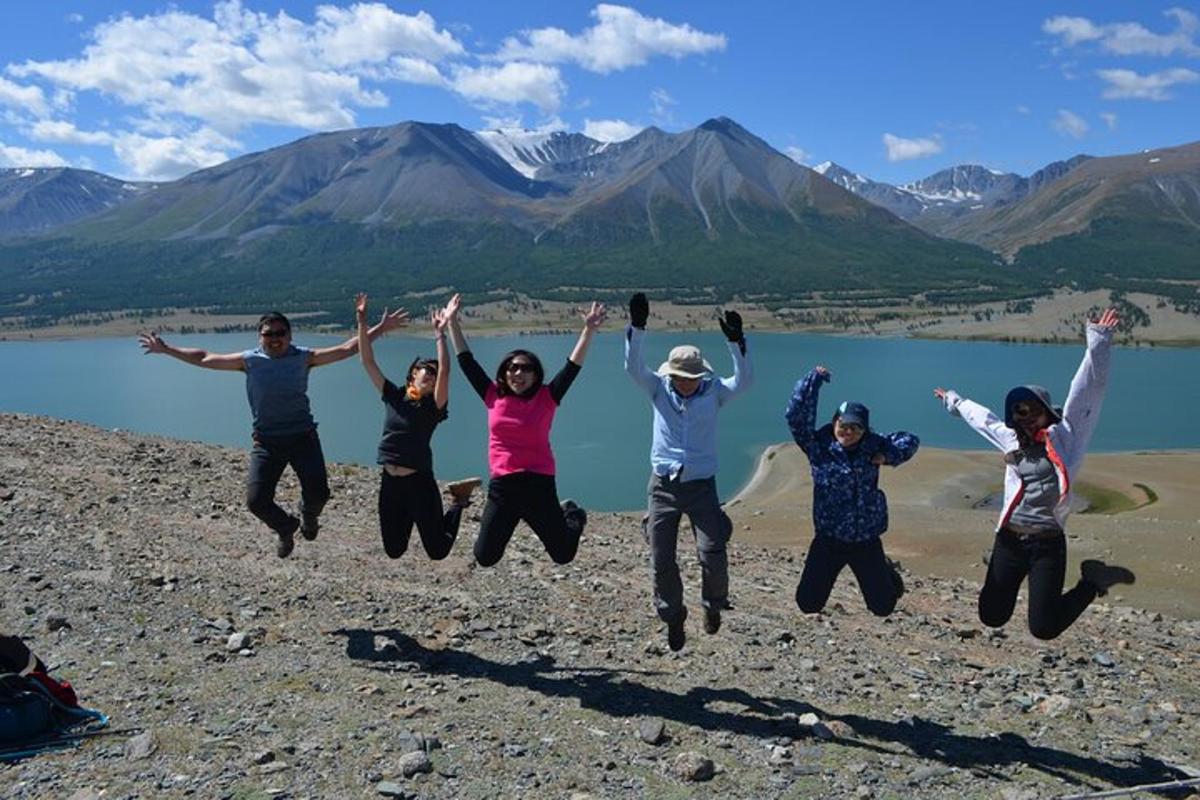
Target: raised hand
{"type": "Point", "coordinates": [360, 305]}
{"type": "Point", "coordinates": [1109, 319]}
{"type": "Point", "coordinates": [393, 320]}
{"type": "Point", "coordinates": [452, 307]}
{"type": "Point", "coordinates": [821, 369]}
{"type": "Point", "coordinates": [939, 393]}
{"type": "Point", "coordinates": [731, 325]}
{"type": "Point", "coordinates": [439, 319]}
{"type": "Point", "coordinates": [151, 343]}
{"type": "Point", "coordinates": [639, 310]}
{"type": "Point", "coordinates": [594, 317]}
{"type": "Point", "coordinates": [879, 459]}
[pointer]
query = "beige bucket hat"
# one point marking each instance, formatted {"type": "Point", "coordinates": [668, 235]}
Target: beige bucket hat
{"type": "Point", "coordinates": [685, 361]}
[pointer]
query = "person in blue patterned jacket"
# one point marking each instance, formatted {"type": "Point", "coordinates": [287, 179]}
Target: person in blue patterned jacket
{"type": "Point", "coordinates": [849, 509]}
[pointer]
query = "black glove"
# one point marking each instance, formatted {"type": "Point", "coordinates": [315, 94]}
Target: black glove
{"type": "Point", "coordinates": [731, 326]}
{"type": "Point", "coordinates": [639, 310]}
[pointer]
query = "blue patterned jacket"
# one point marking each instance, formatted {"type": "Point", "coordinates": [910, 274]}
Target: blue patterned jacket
{"type": "Point", "coordinates": [847, 502]}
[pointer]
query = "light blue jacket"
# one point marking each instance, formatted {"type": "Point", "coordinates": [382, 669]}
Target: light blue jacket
{"type": "Point", "coordinates": [685, 428]}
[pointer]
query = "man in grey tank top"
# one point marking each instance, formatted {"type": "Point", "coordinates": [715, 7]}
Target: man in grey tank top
{"type": "Point", "coordinates": [284, 431]}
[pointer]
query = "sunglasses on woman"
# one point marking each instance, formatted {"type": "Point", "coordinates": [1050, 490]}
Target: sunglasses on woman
{"type": "Point", "coordinates": [1026, 410]}
{"type": "Point", "coordinates": [519, 366]}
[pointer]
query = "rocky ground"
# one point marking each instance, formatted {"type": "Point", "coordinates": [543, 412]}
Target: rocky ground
{"type": "Point", "coordinates": [129, 562]}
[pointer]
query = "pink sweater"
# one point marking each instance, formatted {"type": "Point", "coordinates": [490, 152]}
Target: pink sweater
{"type": "Point", "coordinates": [519, 432]}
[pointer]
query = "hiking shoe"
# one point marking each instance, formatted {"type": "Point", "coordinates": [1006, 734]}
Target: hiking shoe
{"type": "Point", "coordinates": [1103, 576]}
{"type": "Point", "coordinates": [460, 491]}
{"type": "Point", "coordinates": [287, 538]}
{"type": "Point", "coordinates": [676, 635]}
{"type": "Point", "coordinates": [309, 526]}
{"type": "Point", "coordinates": [712, 620]}
{"type": "Point", "coordinates": [573, 512]}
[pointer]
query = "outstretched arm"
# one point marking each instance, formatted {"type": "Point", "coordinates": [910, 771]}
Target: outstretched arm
{"type": "Point", "coordinates": [366, 352]}
{"type": "Point", "coordinates": [896, 448]}
{"type": "Point", "coordinates": [474, 373]}
{"type": "Point", "coordinates": [441, 321]}
{"type": "Point", "coordinates": [801, 411]}
{"type": "Point", "coordinates": [321, 356]}
{"type": "Point", "coordinates": [980, 418]}
{"type": "Point", "coordinates": [593, 318]}
{"type": "Point", "coordinates": [152, 343]}
{"type": "Point", "coordinates": [1081, 412]}
{"type": "Point", "coordinates": [635, 337]}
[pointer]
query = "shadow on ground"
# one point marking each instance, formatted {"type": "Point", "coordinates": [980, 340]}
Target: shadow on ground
{"type": "Point", "coordinates": [616, 693]}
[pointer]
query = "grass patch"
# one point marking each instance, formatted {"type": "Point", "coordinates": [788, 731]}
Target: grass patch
{"type": "Point", "coordinates": [1111, 501]}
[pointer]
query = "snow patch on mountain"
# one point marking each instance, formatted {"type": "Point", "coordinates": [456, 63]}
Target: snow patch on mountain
{"type": "Point", "coordinates": [528, 151]}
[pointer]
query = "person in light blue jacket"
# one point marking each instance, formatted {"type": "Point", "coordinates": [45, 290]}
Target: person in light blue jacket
{"type": "Point", "coordinates": [849, 509]}
{"type": "Point", "coordinates": [686, 398]}
{"type": "Point", "coordinates": [1043, 451]}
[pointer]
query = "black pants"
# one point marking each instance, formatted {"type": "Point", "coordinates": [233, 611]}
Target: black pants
{"type": "Point", "coordinates": [1044, 561]}
{"type": "Point", "coordinates": [828, 556]}
{"type": "Point", "coordinates": [267, 460]}
{"type": "Point", "coordinates": [415, 499]}
{"type": "Point", "coordinates": [533, 498]}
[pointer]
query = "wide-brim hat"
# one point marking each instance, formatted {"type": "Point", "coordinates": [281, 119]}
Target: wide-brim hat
{"type": "Point", "coordinates": [685, 361]}
{"type": "Point", "coordinates": [1030, 393]}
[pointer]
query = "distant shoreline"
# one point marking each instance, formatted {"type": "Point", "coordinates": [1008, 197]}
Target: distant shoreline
{"type": "Point", "coordinates": [1053, 319]}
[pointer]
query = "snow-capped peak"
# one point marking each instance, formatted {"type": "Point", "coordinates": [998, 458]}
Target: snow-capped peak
{"type": "Point", "coordinates": [823, 167]}
{"type": "Point", "coordinates": [527, 151]}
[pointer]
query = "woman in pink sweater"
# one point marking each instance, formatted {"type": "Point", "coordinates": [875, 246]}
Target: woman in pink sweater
{"type": "Point", "coordinates": [521, 407]}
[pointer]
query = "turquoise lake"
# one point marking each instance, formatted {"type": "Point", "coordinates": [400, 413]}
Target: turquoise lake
{"type": "Point", "coordinates": [602, 432]}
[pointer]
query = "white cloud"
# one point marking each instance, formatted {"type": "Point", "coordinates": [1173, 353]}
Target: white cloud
{"type": "Point", "coordinates": [899, 149]}
{"type": "Point", "coordinates": [1110, 119]}
{"type": "Point", "coordinates": [1130, 38]}
{"type": "Point", "coordinates": [662, 107]}
{"type": "Point", "coordinates": [242, 68]}
{"type": "Point", "coordinates": [1068, 123]}
{"type": "Point", "coordinates": [61, 131]}
{"type": "Point", "coordinates": [514, 82]}
{"type": "Point", "coordinates": [798, 154]}
{"type": "Point", "coordinates": [11, 156]}
{"type": "Point", "coordinates": [28, 98]}
{"type": "Point", "coordinates": [1125, 84]}
{"type": "Point", "coordinates": [169, 157]}
{"type": "Point", "coordinates": [621, 38]}
{"type": "Point", "coordinates": [74, 18]}
{"type": "Point", "coordinates": [611, 130]}
{"type": "Point", "coordinates": [372, 33]}
{"type": "Point", "coordinates": [1025, 110]}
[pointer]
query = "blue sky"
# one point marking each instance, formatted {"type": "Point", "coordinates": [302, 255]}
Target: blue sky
{"type": "Point", "coordinates": [896, 91]}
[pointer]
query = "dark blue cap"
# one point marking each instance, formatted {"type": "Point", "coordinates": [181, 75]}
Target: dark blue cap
{"type": "Point", "coordinates": [854, 413]}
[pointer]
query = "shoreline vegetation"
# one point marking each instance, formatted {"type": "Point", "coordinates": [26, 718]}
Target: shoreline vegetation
{"type": "Point", "coordinates": [1052, 319]}
{"type": "Point", "coordinates": [1138, 509]}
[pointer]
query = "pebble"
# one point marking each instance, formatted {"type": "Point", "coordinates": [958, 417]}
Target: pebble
{"type": "Point", "coordinates": [652, 731]}
{"type": "Point", "coordinates": [411, 764]}
{"type": "Point", "coordinates": [692, 766]}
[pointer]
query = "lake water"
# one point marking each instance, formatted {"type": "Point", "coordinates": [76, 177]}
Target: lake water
{"type": "Point", "coordinates": [602, 432]}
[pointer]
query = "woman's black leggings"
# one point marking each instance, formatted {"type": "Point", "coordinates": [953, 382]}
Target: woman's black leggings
{"type": "Point", "coordinates": [533, 498]}
{"type": "Point", "coordinates": [416, 499]}
{"type": "Point", "coordinates": [1044, 561]}
{"type": "Point", "coordinates": [827, 557]}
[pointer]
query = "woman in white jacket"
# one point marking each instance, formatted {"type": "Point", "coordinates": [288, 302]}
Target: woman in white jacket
{"type": "Point", "coordinates": [1043, 452]}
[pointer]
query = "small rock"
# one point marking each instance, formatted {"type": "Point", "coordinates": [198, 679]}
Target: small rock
{"type": "Point", "coordinates": [57, 622]}
{"type": "Point", "coordinates": [413, 763]}
{"type": "Point", "coordinates": [389, 789]}
{"type": "Point", "coordinates": [141, 746]}
{"type": "Point", "coordinates": [7, 494]}
{"type": "Point", "coordinates": [1104, 659]}
{"type": "Point", "coordinates": [264, 757]}
{"type": "Point", "coordinates": [807, 720]}
{"type": "Point", "coordinates": [85, 794]}
{"type": "Point", "coordinates": [237, 641]}
{"type": "Point", "coordinates": [652, 731]}
{"type": "Point", "coordinates": [1054, 705]}
{"type": "Point", "coordinates": [692, 766]}
{"type": "Point", "coordinates": [923, 774]}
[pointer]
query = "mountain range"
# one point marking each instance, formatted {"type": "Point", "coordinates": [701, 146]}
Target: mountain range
{"type": "Point", "coordinates": [704, 214]}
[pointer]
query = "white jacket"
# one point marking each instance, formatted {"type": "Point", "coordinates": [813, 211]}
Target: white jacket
{"type": "Point", "coordinates": [1067, 440]}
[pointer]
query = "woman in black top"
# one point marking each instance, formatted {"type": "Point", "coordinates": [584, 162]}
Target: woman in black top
{"type": "Point", "coordinates": [408, 492]}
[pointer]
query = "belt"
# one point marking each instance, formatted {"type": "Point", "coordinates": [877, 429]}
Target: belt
{"type": "Point", "coordinates": [1027, 532]}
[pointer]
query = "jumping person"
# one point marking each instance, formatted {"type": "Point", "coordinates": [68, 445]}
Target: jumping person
{"type": "Point", "coordinates": [1043, 452]}
{"type": "Point", "coordinates": [284, 431]}
{"type": "Point", "coordinates": [408, 492]}
{"type": "Point", "coordinates": [520, 409]}
{"type": "Point", "coordinates": [849, 509]}
{"type": "Point", "coordinates": [683, 459]}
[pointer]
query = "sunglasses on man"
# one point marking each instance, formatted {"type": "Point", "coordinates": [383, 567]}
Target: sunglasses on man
{"type": "Point", "coordinates": [274, 333]}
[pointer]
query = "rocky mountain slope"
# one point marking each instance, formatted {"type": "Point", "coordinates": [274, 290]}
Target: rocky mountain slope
{"type": "Point", "coordinates": [37, 200]}
{"type": "Point", "coordinates": [129, 562]}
